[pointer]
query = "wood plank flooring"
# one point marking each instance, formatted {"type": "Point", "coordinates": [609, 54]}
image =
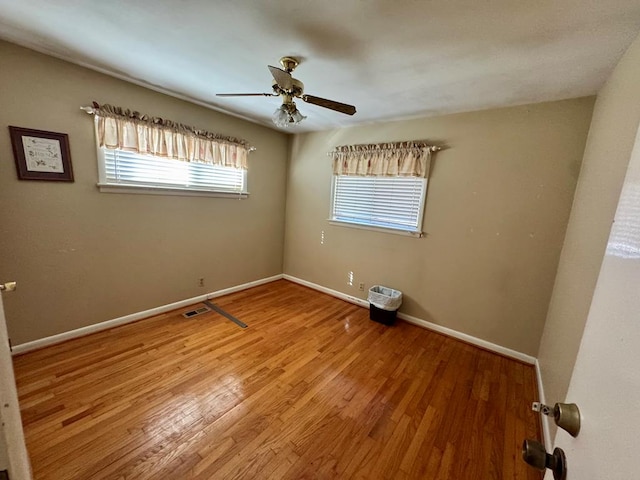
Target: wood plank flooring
{"type": "Point", "coordinates": [312, 389]}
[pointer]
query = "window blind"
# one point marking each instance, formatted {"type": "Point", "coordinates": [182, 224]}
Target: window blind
{"type": "Point", "coordinates": [130, 168]}
{"type": "Point", "coordinates": [386, 202]}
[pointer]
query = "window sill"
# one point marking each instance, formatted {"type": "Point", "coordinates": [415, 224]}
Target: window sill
{"type": "Point", "coordinates": [405, 233]}
{"type": "Point", "coordinates": [149, 190]}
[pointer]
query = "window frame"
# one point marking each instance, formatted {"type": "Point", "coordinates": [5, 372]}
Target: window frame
{"type": "Point", "coordinates": [105, 186]}
{"type": "Point", "coordinates": [418, 233]}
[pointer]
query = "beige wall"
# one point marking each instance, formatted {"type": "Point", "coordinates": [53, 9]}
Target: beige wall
{"type": "Point", "coordinates": [82, 257]}
{"type": "Point", "coordinates": [613, 129]}
{"type": "Point", "coordinates": [497, 207]}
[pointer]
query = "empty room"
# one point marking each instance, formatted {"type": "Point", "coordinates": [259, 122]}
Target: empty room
{"type": "Point", "coordinates": [339, 240]}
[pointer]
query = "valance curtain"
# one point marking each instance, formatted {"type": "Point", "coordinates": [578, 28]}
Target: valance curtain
{"type": "Point", "coordinates": [399, 159]}
{"type": "Point", "coordinates": [123, 129]}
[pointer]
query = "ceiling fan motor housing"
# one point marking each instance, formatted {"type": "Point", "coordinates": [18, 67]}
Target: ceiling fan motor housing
{"type": "Point", "coordinates": [296, 90]}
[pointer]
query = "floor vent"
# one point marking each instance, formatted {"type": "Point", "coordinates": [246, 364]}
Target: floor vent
{"type": "Point", "coordinates": [197, 311]}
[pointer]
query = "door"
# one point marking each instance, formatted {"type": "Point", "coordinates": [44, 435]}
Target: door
{"type": "Point", "coordinates": [13, 453]}
{"type": "Point", "coordinates": [606, 378]}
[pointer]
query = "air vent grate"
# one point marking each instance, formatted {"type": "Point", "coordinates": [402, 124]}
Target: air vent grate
{"type": "Point", "coordinates": [197, 311]}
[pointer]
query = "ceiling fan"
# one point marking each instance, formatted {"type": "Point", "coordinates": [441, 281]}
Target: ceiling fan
{"type": "Point", "coordinates": [288, 88]}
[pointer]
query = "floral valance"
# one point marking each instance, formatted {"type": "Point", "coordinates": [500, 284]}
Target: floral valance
{"type": "Point", "coordinates": [398, 159]}
{"type": "Point", "coordinates": [124, 129]}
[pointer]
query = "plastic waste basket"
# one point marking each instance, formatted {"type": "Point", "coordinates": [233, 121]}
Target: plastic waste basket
{"type": "Point", "coordinates": [384, 303]}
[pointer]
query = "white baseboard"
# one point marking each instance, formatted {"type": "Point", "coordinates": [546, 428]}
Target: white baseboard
{"type": "Point", "coordinates": [544, 420]}
{"type": "Point", "coordinates": [80, 332]}
{"type": "Point", "coordinates": [328, 291]}
{"type": "Point", "coordinates": [244, 286]}
{"type": "Point", "coordinates": [507, 352]}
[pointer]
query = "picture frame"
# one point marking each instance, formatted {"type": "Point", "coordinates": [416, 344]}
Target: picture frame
{"type": "Point", "coordinates": [41, 155]}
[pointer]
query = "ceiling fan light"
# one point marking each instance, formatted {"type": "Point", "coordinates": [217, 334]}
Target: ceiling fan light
{"type": "Point", "coordinates": [287, 115]}
{"type": "Point", "coordinates": [281, 117]}
{"type": "Point", "coordinates": [297, 116]}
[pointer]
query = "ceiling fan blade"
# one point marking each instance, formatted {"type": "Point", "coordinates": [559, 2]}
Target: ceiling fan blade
{"type": "Point", "coordinates": [323, 102]}
{"type": "Point", "coordinates": [282, 78]}
{"type": "Point", "coordinates": [246, 95]}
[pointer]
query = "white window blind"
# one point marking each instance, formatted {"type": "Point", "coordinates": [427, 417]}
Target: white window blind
{"type": "Point", "coordinates": [124, 168]}
{"type": "Point", "coordinates": [385, 202]}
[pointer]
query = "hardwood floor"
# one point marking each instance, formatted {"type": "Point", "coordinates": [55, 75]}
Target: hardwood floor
{"type": "Point", "coordinates": [312, 389]}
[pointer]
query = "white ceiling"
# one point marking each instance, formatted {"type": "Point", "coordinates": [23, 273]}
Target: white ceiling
{"type": "Point", "coordinates": [391, 59]}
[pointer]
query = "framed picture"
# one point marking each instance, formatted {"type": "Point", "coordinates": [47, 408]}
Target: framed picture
{"type": "Point", "coordinates": [41, 155]}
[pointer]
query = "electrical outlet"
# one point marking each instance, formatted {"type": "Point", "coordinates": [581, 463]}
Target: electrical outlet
{"type": "Point", "coordinates": [201, 282]}
{"type": "Point", "coordinates": [361, 286]}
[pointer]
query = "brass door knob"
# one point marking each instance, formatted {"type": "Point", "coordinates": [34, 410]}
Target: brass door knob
{"type": "Point", "coordinates": [535, 455]}
{"type": "Point", "coordinates": [566, 415]}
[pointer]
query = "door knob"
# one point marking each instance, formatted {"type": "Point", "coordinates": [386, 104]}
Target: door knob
{"type": "Point", "coordinates": [566, 415]}
{"type": "Point", "coordinates": [535, 455]}
{"type": "Point", "coordinates": [8, 287]}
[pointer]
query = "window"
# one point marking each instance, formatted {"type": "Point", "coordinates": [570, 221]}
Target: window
{"type": "Point", "coordinates": [121, 169]}
{"type": "Point", "coordinates": [394, 203]}
{"type": "Point", "coordinates": [138, 153]}
{"type": "Point", "coordinates": [381, 186]}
